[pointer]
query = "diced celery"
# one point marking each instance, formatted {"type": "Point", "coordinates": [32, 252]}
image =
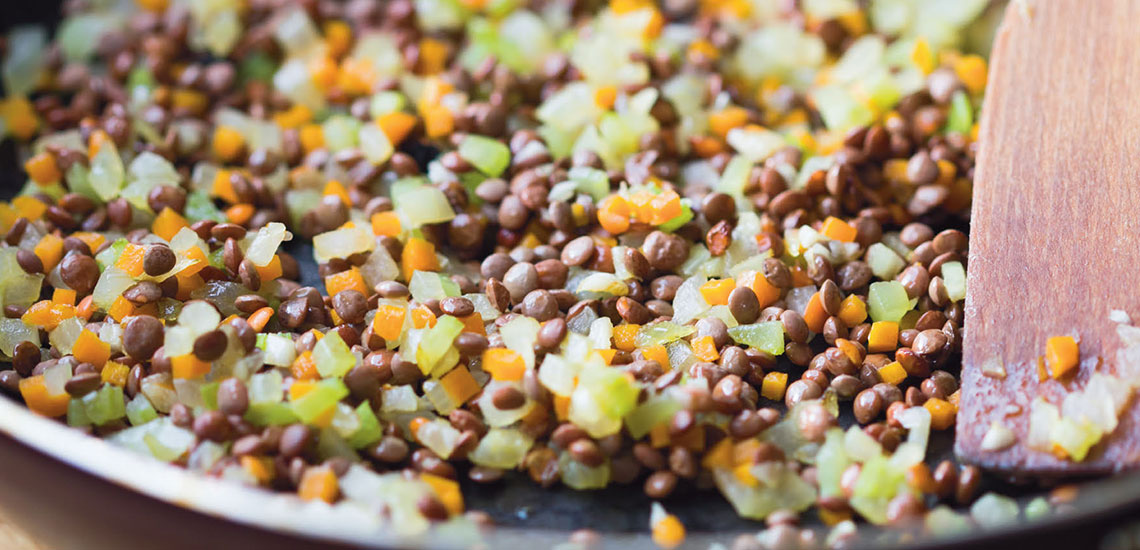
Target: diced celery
{"type": "Point", "coordinates": [369, 431]}
{"type": "Point", "coordinates": [661, 333]}
{"type": "Point", "coordinates": [489, 155]}
{"type": "Point", "coordinates": [1036, 509]}
{"type": "Point", "coordinates": [343, 243]}
{"type": "Point", "coordinates": [591, 181]}
{"type": "Point", "coordinates": [502, 448]}
{"type": "Point", "coordinates": [423, 205]}
{"type": "Point", "coordinates": [332, 356]}
{"type": "Point", "coordinates": [76, 414]}
{"type": "Point", "coordinates": [960, 119]}
{"type": "Point", "coordinates": [324, 396]}
{"type": "Point", "coordinates": [104, 405]}
{"type": "Point", "coordinates": [649, 414]}
{"type": "Point", "coordinates": [210, 395]}
{"type": "Point", "coordinates": [107, 172]}
{"type": "Point", "coordinates": [257, 66]}
{"type": "Point", "coordinates": [140, 411]}
{"type": "Point", "coordinates": [341, 132]}
{"type": "Point", "coordinates": [944, 522]}
{"type": "Point", "coordinates": [767, 336]}
{"type": "Point", "coordinates": [437, 341]}
{"type": "Point", "coordinates": [954, 275]}
{"type": "Point", "coordinates": [581, 477]}
{"type": "Point", "coordinates": [374, 144]}
{"type": "Point", "coordinates": [683, 218]}
{"type": "Point", "coordinates": [386, 102]}
{"type": "Point", "coordinates": [883, 261]}
{"type": "Point", "coordinates": [428, 285]}
{"type": "Point", "coordinates": [270, 414]}
{"type": "Point", "coordinates": [614, 390]}
{"type": "Point", "coordinates": [109, 256]}
{"type": "Point", "coordinates": [265, 244]}
{"type": "Point", "coordinates": [164, 440]}
{"type": "Point", "coordinates": [992, 510]}
{"type": "Point", "coordinates": [888, 301]}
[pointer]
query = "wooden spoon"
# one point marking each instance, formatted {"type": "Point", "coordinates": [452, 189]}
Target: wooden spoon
{"type": "Point", "coordinates": [1055, 236]}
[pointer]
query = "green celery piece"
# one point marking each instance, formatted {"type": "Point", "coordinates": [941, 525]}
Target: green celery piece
{"type": "Point", "coordinates": [369, 430]}
{"type": "Point", "coordinates": [490, 156]}
{"type": "Point", "coordinates": [140, 76]}
{"type": "Point", "coordinates": [257, 66]}
{"type": "Point", "coordinates": [614, 392]}
{"type": "Point", "coordinates": [437, 340]}
{"type": "Point", "coordinates": [140, 411]}
{"type": "Point", "coordinates": [888, 301]}
{"type": "Point", "coordinates": [200, 207]}
{"type": "Point", "coordinates": [217, 258]}
{"type": "Point", "coordinates": [261, 338]}
{"type": "Point", "coordinates": [104, 405]}
{"type": "Point", "coordinates": [332, 356]}
{"type": "Point", "coordinates": [326, 394]}
{"type": "Point", "coordinates": [767, 336]}
{"type": "Point", "coordinates": [76, 415]}
{"type": "Point", "coordinates": [960, 119]}
{"type": "Point", "coordinates": [77, 181]}
{"type": "Point", "coordinates": [649, 414]}
{"type": "Point", "coordinates": [591, 181]}
{"type": "Point", "coordinates": [270, 414]}
{"type": "Point", "coordinates": [109, 256]}
{"type": "Point", "coordinates": [210, 395]}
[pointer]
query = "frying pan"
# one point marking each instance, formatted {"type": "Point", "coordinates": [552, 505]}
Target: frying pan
{"type": "Point", "coordinates": [71, 491]}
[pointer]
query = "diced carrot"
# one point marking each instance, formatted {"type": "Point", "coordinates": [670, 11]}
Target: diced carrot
{"type": "Point", "coordinates": [324, 71]}
{"type": "Point", "coordinates": [356, 76]}
{"type": "Point", "coordinates": [350, 279]}
{"type": "Point", "coordinates": [240, 213]}
{"type": "Point", "coordinates": [29, 207]}
{"type": "Point", "coordinates": [396, 125]}
{"type": "Point", "coordinates": [189, 367]}
{"type": "Point", "coordinates": [192, 101]}
{"type": "Point", "coordinates": [726, 119]}
{"type": "Point", "coordinates": [884, 336]}
{"type": "Point", "coordinates": [386, 224]}
{"type": "Point", "coordinates": [605, 96]}
{"type": "Point", "coordinates": [422, 317]}
{"type": "Point", "coordinates": [613, 214]}
{"type": "Point", "coordinates": [115, 373]}
{"type": "Point", "coordinates": [418, 255]}
{"type": "Point", "coordinates": [120, 309]}
{"type": "Point", "coordinates": [624, 336]}
{"type": "Point", "coordinates": [607, 355]}
{"type": "Point", "coordinates": [447, 491]}
{"type": "Point", "coordinates": [261, 468]}
{"type": "Point", "coordinates": [659, 435]}
{"type": "Point", "coordinates": [814, 315]}
{"type": "Point", "coordinates": [433, 56]}
{"type": "Point", "coordinates": [893, 373]}
{"type": "Point", "coordinates": [504, 364]}
{"type": "Point", "coordinates": [702, 49]}
{"type": "Point", "coordinates": [942, 413]}
{"type": "Point", "coordinates": [459, 384]}
{"type": "Point", "coordinates": [1061, 355]}
{"type": "Point", "coordinates": [561, 407]}
{"type": "Point", "coordinates": [228, 143]}
{"type": "Point", "coordinates": [640, 205]}
{"type": "Point", "coordinates": [168, 223]}
{"type": "Point", "coordinates": [188, 284]}
{"type": "Point", "coordinates": [800, 277]}
{"type": "Point", "coordinates": [720, 456]}
{"type": "Point", "coordinates": [338, 37]}
{"type": "Point", "coordinates": [657, 352]}
{"type": "Point", "coordinates": [438, 120]}
{"type": "Point", "coordinates": [838, 230]}
{"type": "Point", "coordinates": [971, 71]}
{"type": "Point", "coordinates": [49, 250]}
{"type": "Point", "coordinates": [258, 319]}
{"type": "Point", "coordinates": [93, 240]}
{"type": "Point", "coordinates": [773, 385]}
{"type": "Point", "coordinates": [42, 169]}
{"type": "Point", "coordinates": [271, 270]}
{"type": "Point", "coordinates": [706, 146]}
{"type": "Point", "coordinates": [39, 400]}
{"type": "Point", "coordinates": [766, 293]}
{"type": "Point", "coordinates": [704, 348]}
{"type": "Point", "coordinates": [88, 348]}
{"type": "Point", "coordinates": [716, 291]}
{"type": "Point", "coordinates": [196, 254]}
{"type": "Point", "coordinates": [473, 323]}
{"type": "Point", "coordinates": [304, 368]}
{"type": "Point", "coordinates": [664, 207]}
{"type": "Point", "coordinates": [334, 187]}
{"type": "Point", "coordinates": [389, 321]}
{"type": "Point", "coordinates": [86, 307]}
{"type": "Point", "coordinates": [922, 56]}
{"type": "Point", "coordinates": [131, 259]}
{"type": "Point", "coordinates": [21, 118]}
{"type": "Point", "coordinates": [47, 314]}
{"type": "Point", "coordinates": [294, 117]}
{"type": "Point", "coordinates": [312, 137]}
{"type": "Point", "coordinates": [852, 311]}
{"type": "Point", "coordinates": [300, 388]}
{"type": "Point", "coordinates": [318, 483]}
{"type": "Point", "coordinates": [919, 477]}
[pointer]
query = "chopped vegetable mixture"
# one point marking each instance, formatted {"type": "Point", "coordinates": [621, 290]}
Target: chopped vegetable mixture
{"type": "Point", "coordinates": [634, 243]}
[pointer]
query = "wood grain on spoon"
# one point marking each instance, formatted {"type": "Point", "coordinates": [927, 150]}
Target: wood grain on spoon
{"type": "Point", "coordinates": [1055, 236]}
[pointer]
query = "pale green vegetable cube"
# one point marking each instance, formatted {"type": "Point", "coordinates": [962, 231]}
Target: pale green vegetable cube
{"type": "Point", "coordinates": [324, 396]}
{"type": "Point", "coordinates": [104, 405]}
{"type": "Point", "coordinates": [581, 477]}
{"type": "Point", "coordinates": [502, 448]}
{"type": "Point", "coordinates": [490, 156]}
{"type": "Point", "coordinates": [883, 261]}
{"type": "Point", "coordinates": [139, 411]}
{"type": "Point", "coordinates": [888, 301]}
{"type": "Point", "coordinates": [954, 275]}
{"type": "Point", "coordinates": [332, 356]}
{"type": "Point", "coordinates": [437, 341]}
{"type": "Point", "coordinates": [767, 336]}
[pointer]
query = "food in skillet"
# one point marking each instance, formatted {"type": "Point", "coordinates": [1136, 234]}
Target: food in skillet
{"type": "Point", "coordinates": [625, 243]}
